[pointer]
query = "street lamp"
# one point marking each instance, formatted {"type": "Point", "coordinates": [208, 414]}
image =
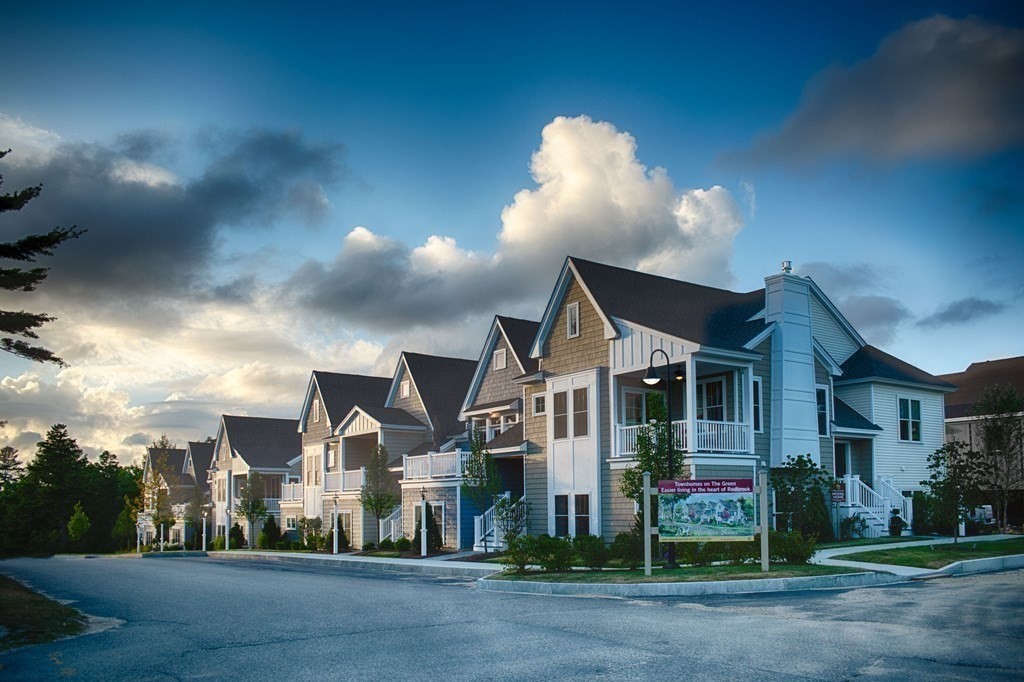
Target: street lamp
{"type": "Point", "coordinates": [335, 526]}
{"type": "Point", "coordinates": [204, 530]}
{"type": "Point", "coordinates": [651, 378]}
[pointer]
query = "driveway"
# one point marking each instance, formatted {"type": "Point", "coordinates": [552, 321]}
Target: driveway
{"type": "Point", "coordinates": [203, 618]}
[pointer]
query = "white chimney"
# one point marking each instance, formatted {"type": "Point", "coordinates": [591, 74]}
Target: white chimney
{"type": "Point", "coordinates": [787, 267]}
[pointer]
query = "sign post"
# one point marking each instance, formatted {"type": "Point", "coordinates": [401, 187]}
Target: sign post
{"type": "Point", "coordinates": [647, 523]}
{"type": "Point", "coordinates": [762, 487]}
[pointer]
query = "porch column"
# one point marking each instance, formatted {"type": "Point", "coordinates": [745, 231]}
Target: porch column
{"type": "Point", "coordinates": [341, 454]}
{"type": "Point", "coordinates": [691, 403]}
{"type": "Point", "coordinates": [748, 405]}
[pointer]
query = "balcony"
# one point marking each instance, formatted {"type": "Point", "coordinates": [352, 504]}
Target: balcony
{"type": "Point", "coordinates": [273, 505]}
{"type": "Point", "coordinates": [435, 465]}
{"type": "Point", "coordinates": [344, 481]}
{"type": "Point", "coordinates": [291, 492]}
{"type": "Point", "coordinates": [711, 436]}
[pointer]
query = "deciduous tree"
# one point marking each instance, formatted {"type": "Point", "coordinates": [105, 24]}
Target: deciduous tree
{"type": "Point", "coordinates": [252, 505]}
{"type": "Point", "coordinates": [480, 479]}
{"type": "Point", "coordinates": [378, 495]}
{"type": "Point", "coordinates": [1000, 469]}
{"type": "Point", "coordinates": [953, 483]}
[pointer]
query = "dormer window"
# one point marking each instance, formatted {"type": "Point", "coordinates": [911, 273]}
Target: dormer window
{"type": "Point", "coordinates": [498, 360]}
{"type": "Point", "coordinates": [572, 320]}
{"type": "Point", "coordinates": [404, 389]}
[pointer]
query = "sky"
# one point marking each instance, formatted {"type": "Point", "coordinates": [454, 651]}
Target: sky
{"type": "Point", "coordinates": [270, 189]}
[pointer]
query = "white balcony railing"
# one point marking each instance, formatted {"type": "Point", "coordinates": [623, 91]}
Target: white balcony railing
{"type": "Point", "coordinates": [435, 465]}
{"type": "Point", "coordinates": [332, 481]}
{"type": "Point", "coordinates": [712, 436]}
{"type": "Point", "coordinates": [291, 492]}
{"type": "Point", "coordinates": [391, 525]}
{"type": "Point", "coordinates": [273, 505]}
{"type": "Point", "coordinates": [353, 480]}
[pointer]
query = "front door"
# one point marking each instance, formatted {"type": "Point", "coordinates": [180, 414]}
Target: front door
{"type": "Point", "coordinates": [842, 459]}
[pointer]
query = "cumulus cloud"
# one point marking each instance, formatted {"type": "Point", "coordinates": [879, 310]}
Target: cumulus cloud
{"type": "Point", "coordinates": [593, 199]}
{"type": "Point", "coordinates": [963, 311]}
{"type": "Point", "coordinates": [936, 88]}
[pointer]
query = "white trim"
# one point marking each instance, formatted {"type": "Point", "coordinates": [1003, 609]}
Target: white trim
{"type": "Point", "coordinates": [895, 382]}
{"type": "Point", "coordinates": [500, 356]}
{"type": "Point", "coordinates": [551, 311]}
{"type": "Point", "coordinates": [910, 420]}
{"type": "Point", "coordinates": [572, 320]}
{"type": "Point", "coordinates": [824, 355]}
{"type": "Point", "coordinates": [533, 404]}
{"type": "Point", "coordinates": [701, 385]}
{"type": "Point", "coordinates": [316, 410]}
{"type": "Point", "coordinates": [761, 336]}
{"type": "Point", "coordinates": [404, 389]}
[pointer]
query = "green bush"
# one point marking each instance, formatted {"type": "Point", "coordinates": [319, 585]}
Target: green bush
{"type": "Point", "coordinates": [343, 541]}
{"type": "Point", "coordinates": [520, 552]}
{"type": "Point", "coordinates": [896, 524]}
{"type": "Point", "coordinates": [801, 488]}
{"type": "Point", "coordinates": [296, 545]}
{"type": "Point", "coordinates": [853, 527]}
{"type": "Point", "coordinates": [272, 531]}
{"type": "Point", "coordinates": [791, 547]}
{"type": "Point", "coordinates": [263, 541]}
{"type": "Point", "coordinates": [369, 546]}
{"type": "Point", "coordinates": [553, 554]}
{"type": "Point", "coordinates": [592, 551]}
{"type": "Point", "coordinates": [403, 544]}
{"type": "Point", "coordinates": [629, 549]}
{"type": "Point", "coordinates": [218, 543]}
{"type": "Point", "coordinates": [281, 544]}
{"type": "Point", "coordinates": [173, 547]}
{"type": "Point", "coordinates": [387, 545]}
{"type": "Point", "coordinates": [237, 537]}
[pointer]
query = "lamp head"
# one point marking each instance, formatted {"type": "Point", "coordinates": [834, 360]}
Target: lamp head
{"type": "Point", "coordinates": [651, 377]}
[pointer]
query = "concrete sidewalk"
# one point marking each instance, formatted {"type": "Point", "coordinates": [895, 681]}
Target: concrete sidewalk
{"type": "Point", "coordinates": [442, 567]}
{"type": "Point", "coordinates": [826, 557]}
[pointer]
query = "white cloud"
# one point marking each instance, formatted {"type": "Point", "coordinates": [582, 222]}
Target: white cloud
{"type": "Point", "coordinates": [28, 143]}
{"type": "Point", "coordinates": [129, 171]}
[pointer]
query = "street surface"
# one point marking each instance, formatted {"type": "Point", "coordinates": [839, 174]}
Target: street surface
{"type": "Point", "coordinates": [208, 619]}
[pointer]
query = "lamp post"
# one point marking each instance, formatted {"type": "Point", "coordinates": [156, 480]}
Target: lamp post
{"type": "Point", "coordinates": [227, 529]}
{"type": "Point", "coordinates": [423, 521]}
{"type": "Point", "coordinates": [335, 526]}
{"type": "Point", "coordinates": [204, 530]}
{"type": "Point", "coordinates": [651, 378]}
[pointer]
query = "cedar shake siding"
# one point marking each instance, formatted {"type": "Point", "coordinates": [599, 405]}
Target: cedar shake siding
{"type": "Point", "coordinates": [318, 432]}
{"type": "Point", "coordinates": [497, 383]}
{"type": "Point", "coordinates": [413, 405]}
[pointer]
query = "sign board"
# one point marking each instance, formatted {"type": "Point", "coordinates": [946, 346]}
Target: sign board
{"type": "Point", "coordinates": [839, 494]}
{"type": "Point", "coordinates": [706, 510]}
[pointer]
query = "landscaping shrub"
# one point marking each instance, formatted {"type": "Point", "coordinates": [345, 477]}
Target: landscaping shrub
{"type": "Point", "coordinates": [853, 527]}
{"type": "Point", "coordinates": [433, 533]}
{"type": "Point", "coordinates": [218, 543]}
{"type": "Point", "coordinates": [369, 546]}
{"type": "Point", "coordinates": [296, 545]}
{"type": "Point", "coordinates": [343, 541]}
{"type": "Point", "coordinates": [553, 554]}
{"type": "Point", "coordinates": [801, 487]}
{"type": "Point", "coordinates": [387, 545]}
{"type": "Point", "coordinates": [173, 547]}
{"type": "Point", "coordinates": [629, 549]}
{"type": "Point", "coordinates": [237, 537]}
{"type": "Point", "coordinates": [791, 547]}
{"type": "Point", "coordinates": [281, 544]}
{"type": "Point", "coordinates": [592, 551]}
{"type": "Point", "coordinates": [520, 552]}
{"type": "Point", "coordinates": [739, 553]}
{"type": "Point", "coordinates": [403, 544]}
{"type": "Point", "coordinates": [263, 541]}
{"type": "Point", "coordinates": [896, 524]}
{"type": "Point", "coordinates": [272, 531]}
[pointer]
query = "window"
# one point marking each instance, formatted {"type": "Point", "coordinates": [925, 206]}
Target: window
{"type": "Point", "coordinates": [272, 487]}
{"type": "Point", "coordinates": [711, 400]}
{"type": "Point", "coordinates": [634, 408]}
{"type": "Point", "coordinates": [331, 458]}
{"type": "Point", "coordinates": [580, 414]}
{"type": "Point", "coordinates": [561, 516]}
{"type": "Point", "coordinates": [290, 523]}
{"type": "Point", "coordinates": [582, 503]}
{"type": "Point", "coordinates": [345, 521]}
{"type": "Point", "coordinates": [404, 389]}
{"type": "Point", "coordinates": [910, 420]}
{"type": "Point", "coordinates": [498, 360]}
{"type": "Point", "coordinates": [821, 396]}
{"type": "Point", "coordinates": [572, 320]}
{"type": "Point", "coordinates": [758, 427]}
{"type": "Point", "coordinates": [316, 410]}
{"type": "Point", "coordinates": [539, 405]}
{"type": "Point", "coordinates": [561, 415]}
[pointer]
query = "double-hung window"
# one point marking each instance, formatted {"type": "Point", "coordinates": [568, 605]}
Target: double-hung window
{"type": "Point", "coordinates": [821, 399]}
{"type": "Point", "coordinates": [634, 408]}
{"type": "Point", "coordinates": [910, 420]}
{"type": "Point", "coordinates": [758, 426]}
{"type": "Point", "coordinates": [539, 404]}
{"type": "Point", "coordinates": [711, 400]}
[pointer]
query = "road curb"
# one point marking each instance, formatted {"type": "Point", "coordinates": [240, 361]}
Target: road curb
{"type": "Point", "coordinates": [439, 568]}
{"type": "Point", "coordinates": [693, 589]}
{"type": "Point", "coordinates": [987, 565]}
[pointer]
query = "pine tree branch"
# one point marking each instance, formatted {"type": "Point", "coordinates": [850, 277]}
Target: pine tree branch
{"type": "Point", "coordinates": [29, 247]}
{"type": "Point", "coordinates": [20, 279]}
{"type": "Point", "coordinates": [30, 352]}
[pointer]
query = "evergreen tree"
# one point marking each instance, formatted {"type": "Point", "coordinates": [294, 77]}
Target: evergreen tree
{"type": "Point", "coordinates": [11, 468]}
{"type": "Point", "coordinates": [78, 524]}
{"type": "Point", "coordinates": [378, 495]}
{"type": "Point", "coordinates": [124, 529]}
{"type": "Point", "coordinates": [53, 482]}
{"type": "Point", "coordinates": [26, 250]}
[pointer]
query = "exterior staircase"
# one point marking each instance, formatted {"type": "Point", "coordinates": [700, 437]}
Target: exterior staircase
{"type": "Point", "coordinates": [874, 505]}
{"type": "Point", "coordinates": [486, 530]}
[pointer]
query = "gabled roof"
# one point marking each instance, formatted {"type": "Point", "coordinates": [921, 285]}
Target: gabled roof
{"type": "Point", "coordinates": [172, 460]}
{"type": "Point", "coordinates": [442, 384]}
{"type": "Point", "coordinates": [870, 363]}
{"type": "Point", "coordinates": [512, 437]}
{"type": "Point", "coordinates": [262, 442]}
{"type": "Point", "coordinates": [845, 417]}
{"type": "Point", "coordinates": [339, 392]}
{"type": "Point", "coordinates": [200, 455]}
{"type": "Point", "coordinates": [704, 315]}
{"type": "Point", "coordinates": [520, 334]}
{"type": "Point", "coordinates": [979, 376]}
{"type": "Point", "coordinates": [391, 416]}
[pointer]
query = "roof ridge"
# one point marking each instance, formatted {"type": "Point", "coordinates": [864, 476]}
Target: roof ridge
{"type": "Point", "coordinates": [576, 259]}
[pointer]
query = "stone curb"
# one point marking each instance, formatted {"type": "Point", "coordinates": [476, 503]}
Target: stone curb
{"type": "Point", "coordinates": [987, 565]}
{"type": "Point", "coordinates": [817, 582]}
{"type": "Point", "coordinates": [172, 555]}
{"type": "Point", "coordinates": [438, 567]}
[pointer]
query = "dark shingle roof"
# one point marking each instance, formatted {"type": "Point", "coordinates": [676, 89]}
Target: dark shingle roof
{"type": "Point", "coordinates": [520, 335]}
{"type": "Point", "coordinates": [872, 363]}
{"type": "Point", "coordinates": [391, 416]}
{"type": "Point", "coordinates": [442, 384]}
{"type": "Point", "coordinates": [340, 392]}
{"type": "Point", "coordinates": [488, 405]}
{"type": "Point", "coordinates": [167, 461]}
{"type": "Point", "coordinates": [512, 437]}
{"type": "Point", "coordinates": [845, 417]}
{"type": "Point", "coordinates": [705, 315]}
{"type": "Point", "coordinates": [973, 381]}
{"type": "Point", "coordinates": [202, 455]}
{"type": "Point", "coordinates": [263, 442]}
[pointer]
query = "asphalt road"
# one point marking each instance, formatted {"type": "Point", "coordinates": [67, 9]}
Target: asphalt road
{"type": "Point", "coordinates": [201, 618]}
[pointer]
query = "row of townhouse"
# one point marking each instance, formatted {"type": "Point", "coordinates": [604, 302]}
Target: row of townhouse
{"type": "Point", "coordinates": [754, 377]}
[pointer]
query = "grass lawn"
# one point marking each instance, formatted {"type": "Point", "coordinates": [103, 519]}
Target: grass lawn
{"type": "Point", "coordinates": [28, 617]}
{"type": "Point", "coordinates": [871, 541]}
{"type": "Point", "coordinates": [937, 556]}
{"type": "Point", "coordinates": [680, 575]}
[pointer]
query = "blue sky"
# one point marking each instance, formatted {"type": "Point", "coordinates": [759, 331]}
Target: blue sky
{"type": "Point", "coordinates": [876, 145]}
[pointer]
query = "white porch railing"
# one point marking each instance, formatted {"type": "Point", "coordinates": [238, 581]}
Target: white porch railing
{"type": "Point", "coordinates": [391, 525]}
{"type": "Point", "coordinates": [435, 465]}
{"type": "Point", "coordinates": [895, 499]}
{"type": "Point", "coordinates": [353, 480]}
{"type": "Point", "coordinates": [273, 505]}
{"type": "Point", "coordinates": [712, 436]}
{"type": "Point", "coordinates": [332, 481]}
{"type": "Point", "coordinates": [486, 527]}
{"type": "Point", "coordinates": [860, 495]}
{"type": "Point", "coordinates": [290, 492]}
